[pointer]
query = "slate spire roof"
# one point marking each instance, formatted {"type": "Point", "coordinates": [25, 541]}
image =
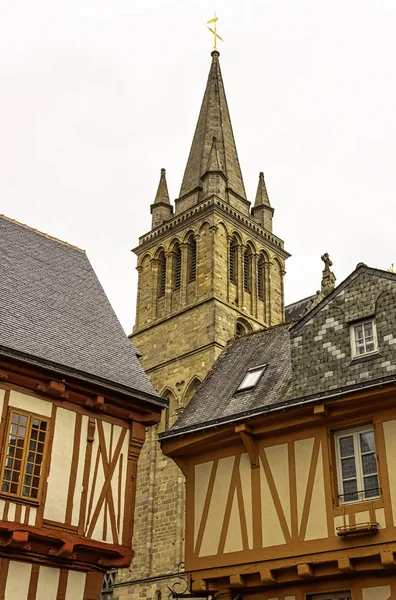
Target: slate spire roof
{"type": "Point", "coordinates": [55, 314]}
{"type": "Point", "coordinates": [213, 121]}
{"type": "Point", "coordinates": [261, 194]}
{"type": "Point", "coordinates": [162, 195]}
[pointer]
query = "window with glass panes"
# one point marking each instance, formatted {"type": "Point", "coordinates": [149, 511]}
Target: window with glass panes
{"type": "Point", "coordinates": [363, 338]}
{"type": "Point", "coordinates": [23, 455]}
{"type": "Point", "coordinates": [357, 469]}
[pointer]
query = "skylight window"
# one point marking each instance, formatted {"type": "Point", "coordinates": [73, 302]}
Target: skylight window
{"type": "Point", "coordinates": [251, 378]}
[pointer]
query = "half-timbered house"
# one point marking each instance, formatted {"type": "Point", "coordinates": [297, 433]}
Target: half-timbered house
{"type": "Point", "coordinates": [74, 404]}
{"type": "Point", "coordinates": [289, 453]}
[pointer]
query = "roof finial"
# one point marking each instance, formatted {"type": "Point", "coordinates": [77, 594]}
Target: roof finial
{"type": "Point", "coordinates": [392, 269]}
{"type": "Point", "coordinates": [214, 31]}
{"type": "Point", "coordinates": [328, 277]}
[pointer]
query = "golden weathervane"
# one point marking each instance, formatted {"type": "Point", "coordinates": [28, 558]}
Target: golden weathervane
{"type": "Point", "coordinates": [214, 31]}
{"type": "Point", "coordinates": [392, 269]}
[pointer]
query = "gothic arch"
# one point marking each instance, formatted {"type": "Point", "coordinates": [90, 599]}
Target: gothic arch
{"type": "Point", "coordinates": [167, 413]}
{"type": "Point", "coordinates": [191, 389]}
{"type": "Point", "coordinates": [242, 327]}
{"type": "Point", "coordinates": [143, 259]}
{"type": "Point", "coordinates": [188, 234]}
{"type": "Point", "coordinates": [176, 241]}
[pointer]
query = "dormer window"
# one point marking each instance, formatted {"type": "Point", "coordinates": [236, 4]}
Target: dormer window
{"type": "Point", "coordinates": [363, 338]}
{"type": "Point", "coordinates": [251, 378]}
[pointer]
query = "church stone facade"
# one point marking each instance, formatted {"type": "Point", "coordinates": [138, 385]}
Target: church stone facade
{"type": "Point", "coordinates": [210, 269]}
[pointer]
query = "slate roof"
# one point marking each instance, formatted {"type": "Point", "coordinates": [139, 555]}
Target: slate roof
{"type": "Point", "coordinates": [217, 399]}
{"type": "Point", "coordinates": [54, 312]}
{"type": "Point", "coordinates": [295, 311]}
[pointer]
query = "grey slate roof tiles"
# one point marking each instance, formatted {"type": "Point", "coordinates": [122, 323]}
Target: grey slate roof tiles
{"type": "Point", "coordinates": [217, 397]}
{"type": "Point", "coordinates": [53, 308]}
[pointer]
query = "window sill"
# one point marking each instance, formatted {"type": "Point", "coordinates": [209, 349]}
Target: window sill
{"type": "Point", "coordinates": [23, 501]}
{"type": "Point", "coordinates": [367, 357]}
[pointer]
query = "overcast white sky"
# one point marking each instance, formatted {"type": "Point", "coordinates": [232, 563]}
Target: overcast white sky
{"type": "Point", "coordinates": [97, 96]}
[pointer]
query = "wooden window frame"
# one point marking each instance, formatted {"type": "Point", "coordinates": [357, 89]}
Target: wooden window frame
{"type": "Point", "coordinates": [6, 433]}
{"type": "Point", "coordinates": [355, 431]}
{"type": "Point", "coordinates": [352, 328]}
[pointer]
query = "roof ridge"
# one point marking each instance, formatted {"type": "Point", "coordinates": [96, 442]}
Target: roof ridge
{"type": "Point", "coordinates": [47, 235]}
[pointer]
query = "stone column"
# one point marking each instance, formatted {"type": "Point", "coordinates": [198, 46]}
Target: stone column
{"type": "Point", "coordinates": [137, 319]}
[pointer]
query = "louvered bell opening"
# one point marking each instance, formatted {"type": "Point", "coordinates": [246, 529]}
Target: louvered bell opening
{"type": "Point", "coordinates": [192, 262]}
{"type": "Point", "coordinates": [233, 263]}
{"type": "Point", "coordinates": [161, 275]}
{"type": "Point", "coordinates": [177, 268]}
{"type": "Point", "coordinates": [247, 271]}
{"type": "Point", "coordinates": [260, 279]}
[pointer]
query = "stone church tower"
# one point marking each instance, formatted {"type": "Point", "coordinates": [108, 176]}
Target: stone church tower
{"type": "Point", "coordinates": [209, 269]}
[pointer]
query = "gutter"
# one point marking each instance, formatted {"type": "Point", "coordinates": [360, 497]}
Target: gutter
{"type": "Point", "coordinates": [167, 435]}
{"type": "Point", "coordinates": [145, 397]}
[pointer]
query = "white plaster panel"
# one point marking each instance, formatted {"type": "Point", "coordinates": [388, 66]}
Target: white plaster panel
{"type": "Point", "coordinates": [303, 455]}
{"type": "Point", "coordinates": [317, 522]}
{"type": "Point", "coordinates": [380, 592]}
{"type": "Point", "coordinates": [390, 446]}
{"type": "Point", "coordinates": [117, 432]}
{"type": "Point", "coordinates": [11, 511]}
{"type": "Point", "coordinates": [362, 517]}
{"type": "Point", "coordinates": [2, 505]}
{"type": "Point", "coordinates": [2, 394]}
{"type": "Point", "coordinates": [18, 580]}
{"type": "Point", "coordinates": [201, 483]}
{"type": "Point", "coordinates": [211, 538]}
{"type": "Point", "coordinates": [47, 585]}
{"type": "Point", "coordinates": [61, 458]}
{"type": "Point", "coordinates": [271, 527]}
{"type": "Point", "coordinates": [75, 586]}
{"type": "Point", "coordinates": [124, 454]}
{"type": "Point", "coordinates": [380, 517]}
{"type": "Point", "coordinates": [30, 403]}
{"type": "Point", "coordinates": [278, 460]}
{"type": "Point", "coordinates": [32, 516]}
{"type": "Point", "coordinates": [245, 471]}
{"type": "Point", "coordinates": [80, 471]}
{"type": "Point", "coordinates": [233, 542]}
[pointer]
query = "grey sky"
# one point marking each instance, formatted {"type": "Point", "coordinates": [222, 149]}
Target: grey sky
{"type": "Point", "coordinates": [97, 96]}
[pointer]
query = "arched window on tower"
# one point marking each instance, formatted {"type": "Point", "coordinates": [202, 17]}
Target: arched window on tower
{"type": "Point", "coordinates": [176, 270]}
{"type": "Point", "coordinates": [233, 261]}
{"type": "Point", "coordinates": [161, 274]}
{"type": "Point", "coordinates": [242, 327]}
{"type": "Point", "coordinates": [261, 278]}
{"type": "Point", "coordinates": [192, 259]}
{"type": "Point", "coordinates": [166, 415]}
{"type": "Point", "coordinates": [247, 270]}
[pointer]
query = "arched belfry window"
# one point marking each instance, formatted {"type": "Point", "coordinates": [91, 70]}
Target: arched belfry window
{"type": "Point", "coordinates": [233, 261]}
{"type": "Point", "coordinates": [176, 271]}
{"type": "Point", "coordinates": [161, 274]}
{"type": "Point", "coordinates": [261, 278]}
{"type": "Point", "coordinates": [192, 259]}
{"type": "Point", "coordinates": [247, 270]}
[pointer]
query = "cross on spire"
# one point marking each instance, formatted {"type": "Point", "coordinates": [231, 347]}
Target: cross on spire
{"type": "Point", "coordinates": [214, 31]}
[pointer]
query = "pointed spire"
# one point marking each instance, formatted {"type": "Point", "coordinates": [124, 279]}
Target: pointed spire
{"type": "Point", "coordinates": [162, 196]}
{"type": "Point", "coordinates": [161, 209]}
{"type": "Point", "coordinates": [213, 121]}
{"type": "Point", "coordinates": [262, 194]}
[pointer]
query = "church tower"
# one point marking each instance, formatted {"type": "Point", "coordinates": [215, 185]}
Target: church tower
{"type": "Point", "coordinates": [209, 269]}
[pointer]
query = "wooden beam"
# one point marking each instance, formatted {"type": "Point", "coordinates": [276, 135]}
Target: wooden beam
{"type": "Point", "coordinates": [237, 580]}
{"type": "Point", "coordinates": [345, 565]}
{"type": "Point", "coordinates": [305, 571]}
{"type": "Point", "coordinates": [387, 559]}
{"type": "Point", "coordinates": [267, 576]}
{"type": "Point", "coordinates": [249, 442]}
{"type": "Point", "coordinates": [322, 410]}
